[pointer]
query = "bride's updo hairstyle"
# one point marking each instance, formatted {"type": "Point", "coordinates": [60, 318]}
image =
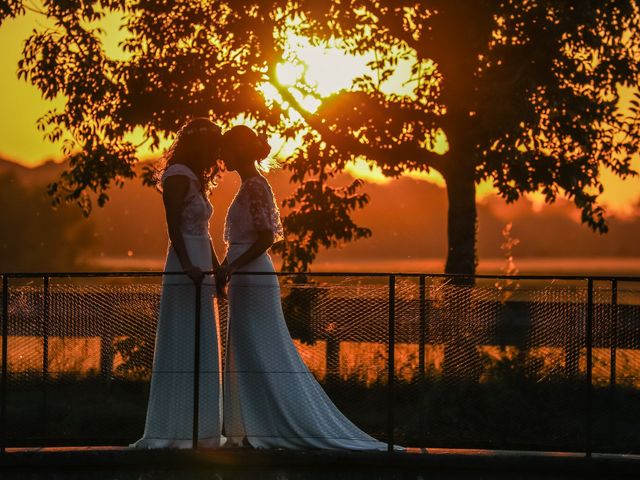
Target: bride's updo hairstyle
{"type": "Point", "coordinates": [242, 144]}
{"type": "Point", "coordinates": [197, 145]}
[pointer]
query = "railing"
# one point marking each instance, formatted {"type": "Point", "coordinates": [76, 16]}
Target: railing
{"type": "Point", "coordinates": [494, 353]}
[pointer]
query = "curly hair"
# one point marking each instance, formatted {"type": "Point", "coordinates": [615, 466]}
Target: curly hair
{"type": "Point", "coordinates": [194, 139]}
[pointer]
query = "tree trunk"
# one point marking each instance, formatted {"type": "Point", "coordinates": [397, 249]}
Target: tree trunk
{"type": "Point", "coordinates": [462, 360]}
{"type": "Point", "coordinates": [461, 219]}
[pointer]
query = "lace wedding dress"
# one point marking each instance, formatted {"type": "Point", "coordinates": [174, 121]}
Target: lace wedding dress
{"type": "Point", "coordinates": [169, 421]}
{"type": "Point", "coordinates": [271, 398]}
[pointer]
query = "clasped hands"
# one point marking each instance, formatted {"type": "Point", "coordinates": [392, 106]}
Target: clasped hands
{"type": "Point", "coordinates": [222, 275]}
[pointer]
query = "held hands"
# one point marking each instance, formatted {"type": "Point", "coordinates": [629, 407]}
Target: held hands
{"type": "Point", "coordinates": [223, 275]}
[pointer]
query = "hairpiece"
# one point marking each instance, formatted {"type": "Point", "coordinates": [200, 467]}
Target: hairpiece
{"type": "Point", "coordinates": [198, 130]}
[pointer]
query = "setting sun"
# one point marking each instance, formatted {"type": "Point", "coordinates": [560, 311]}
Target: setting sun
{"type": "Point", "coordinates": [328, 70]}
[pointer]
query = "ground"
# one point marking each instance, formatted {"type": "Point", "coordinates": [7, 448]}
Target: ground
{"type": "Point", "coordinates": [101, 463]}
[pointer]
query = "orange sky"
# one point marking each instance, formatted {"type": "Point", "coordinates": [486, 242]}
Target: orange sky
{"type": "Point", "coordinates": [21, 141]}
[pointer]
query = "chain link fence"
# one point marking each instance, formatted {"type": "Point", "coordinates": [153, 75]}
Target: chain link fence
{"type": "Point", "coordinates": [418, 360]}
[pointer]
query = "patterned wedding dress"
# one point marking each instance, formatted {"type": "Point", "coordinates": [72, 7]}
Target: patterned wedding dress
{"type": "Point", "coordinates": [271, 398]}
{"type": "Point", "coordinates": [169, 421]}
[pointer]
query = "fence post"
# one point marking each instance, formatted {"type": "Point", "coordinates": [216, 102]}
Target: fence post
{"type": "Point", "coordinates": [391, 362]}
{"type": "Point", "coordinates": [196, 365]}
{"type": "Point", "coordinates": [423, 329]}
{"type": "Point", "coordinates": [589, 368]}
{"type": "Point", "coordinates": [45, 354]}
{"type": "Point", "coordinates": [613, 360]}
{"type": "Point", "coordinates": [421, 353]}
{"type": "Point", "coordinates": [5, 372]}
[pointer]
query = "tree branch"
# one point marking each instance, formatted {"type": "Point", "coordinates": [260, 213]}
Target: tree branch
{"type": "Point", "coordinates": [430, 159]}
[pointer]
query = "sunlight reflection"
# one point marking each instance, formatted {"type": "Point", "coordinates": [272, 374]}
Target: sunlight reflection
{"type": "Point", "coordinates": [362, 361]}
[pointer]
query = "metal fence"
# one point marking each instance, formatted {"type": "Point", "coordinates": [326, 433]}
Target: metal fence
{"type": "Point", "coordinates": [422, 360]}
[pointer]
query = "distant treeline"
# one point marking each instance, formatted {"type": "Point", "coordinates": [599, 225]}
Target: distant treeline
{"type": "Point", "coordinates": [34, 237]}
{"type": "Point", "coordinates": [407, 219]}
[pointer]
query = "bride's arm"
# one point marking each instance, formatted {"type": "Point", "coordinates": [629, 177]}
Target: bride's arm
{"type": "Point", "coordinates": [173, 193]}
{"type": "Point", "coordinates": [261, 245]}
{"type": "Point", "coordinates": [265, 218]}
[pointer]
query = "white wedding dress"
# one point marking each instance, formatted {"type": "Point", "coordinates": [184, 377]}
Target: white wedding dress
{"type": "Point", "coordinates": [271, 398]}
{"type": "Point", "coordinates": [169, 421]}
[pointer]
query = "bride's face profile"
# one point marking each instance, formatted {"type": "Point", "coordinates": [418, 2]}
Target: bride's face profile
{"type": "Point", "coordinates": [197, 146]}
{"type": "Point", "coordinates": [206, 140]}
{"type": "Point", "coordinates": [241, 148]}
{"type": "Point", "coordinates": [229, 154]}
{"type": "Point", "coordinates": [210, 151]}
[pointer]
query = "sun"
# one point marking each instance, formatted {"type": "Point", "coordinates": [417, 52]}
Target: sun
{"type": "Point", "coordinates": [328, 69]}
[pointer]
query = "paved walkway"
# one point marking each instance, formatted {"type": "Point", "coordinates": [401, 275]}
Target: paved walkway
{"type": "Point", "coordinates": [235, 463]}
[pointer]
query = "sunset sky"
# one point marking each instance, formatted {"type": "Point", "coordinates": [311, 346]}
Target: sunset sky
{"type": "Point", "coordinates": [22, 104]}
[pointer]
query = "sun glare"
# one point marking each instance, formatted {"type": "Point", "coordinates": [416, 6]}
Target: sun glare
{"type": "Point", "coordinates": [328, 69]}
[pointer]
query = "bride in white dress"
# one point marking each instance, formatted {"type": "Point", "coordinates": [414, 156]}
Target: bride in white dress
{"type": "Point", "coordinates": [191, 167]}
{"type": "Point", "coordinates": [271, 398]}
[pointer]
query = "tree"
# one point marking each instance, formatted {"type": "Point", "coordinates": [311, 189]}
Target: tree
{"type": "Point", "coordinates": [526, 93]}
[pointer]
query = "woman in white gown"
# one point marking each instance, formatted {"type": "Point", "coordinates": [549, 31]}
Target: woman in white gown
{"type": "Point", "coordinates": [191, 167]}
{"type": "Point", "coordinates": [271, 398]}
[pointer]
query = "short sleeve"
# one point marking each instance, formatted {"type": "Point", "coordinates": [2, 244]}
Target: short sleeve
{"type": "Point", "coordinates": [263, 209]}
{"type": "Point", "coordinates": [178, 169]}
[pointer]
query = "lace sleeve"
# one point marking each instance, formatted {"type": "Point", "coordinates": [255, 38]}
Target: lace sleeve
{"type": "Point", "coordinates": [262, 206]}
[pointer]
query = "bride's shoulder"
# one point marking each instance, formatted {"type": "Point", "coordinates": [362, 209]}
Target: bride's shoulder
{"type": "Point", "coordinates": [178, 169]}
{"type": "Point", "coordinates": [257, 182]}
